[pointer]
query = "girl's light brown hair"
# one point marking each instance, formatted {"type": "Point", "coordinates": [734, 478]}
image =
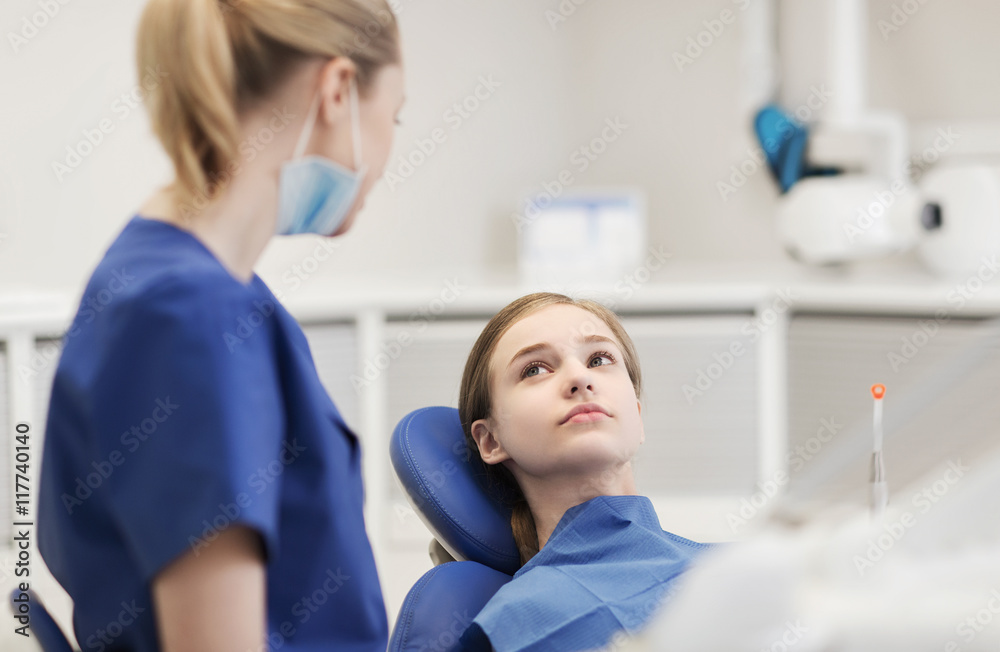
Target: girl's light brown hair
{"type": "Point", "coordinates": [475, 393]}
{"type": "Point", "coordinates": [215, 59]}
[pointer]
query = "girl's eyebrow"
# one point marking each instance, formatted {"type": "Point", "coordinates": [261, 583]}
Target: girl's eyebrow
{"type": "Point", "coordinates": [528, 350]}
{"type": "Point", "coordinates": [545, 345]}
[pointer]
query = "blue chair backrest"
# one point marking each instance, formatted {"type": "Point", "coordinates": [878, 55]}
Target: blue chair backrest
{"type": "Point", "coordinates": [41, 624]}
{"type": "Point", "coordinates": [450, 492]}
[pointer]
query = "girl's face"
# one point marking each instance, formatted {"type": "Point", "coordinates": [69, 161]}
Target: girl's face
{"type": "Point", "coordinates": [562, 400]}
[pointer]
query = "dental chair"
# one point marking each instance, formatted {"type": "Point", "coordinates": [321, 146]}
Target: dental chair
{"type": "Point", "coordinates": [42, 627]}
{"type": "Point", "coordinates": [450, 494]}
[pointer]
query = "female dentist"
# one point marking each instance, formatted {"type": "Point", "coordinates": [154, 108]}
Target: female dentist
{"type": "Point", "coordinates": [200, 490]}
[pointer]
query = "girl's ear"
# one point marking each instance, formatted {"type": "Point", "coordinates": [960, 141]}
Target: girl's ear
{"type": "Point", "coordinates": [490, 448]}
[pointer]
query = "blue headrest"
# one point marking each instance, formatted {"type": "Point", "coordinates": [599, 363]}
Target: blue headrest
{"type": "Point", "coordinates": [449, 491]}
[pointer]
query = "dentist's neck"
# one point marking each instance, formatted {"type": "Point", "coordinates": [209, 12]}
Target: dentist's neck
{"type": "Point", "coordinates": [237, 224]}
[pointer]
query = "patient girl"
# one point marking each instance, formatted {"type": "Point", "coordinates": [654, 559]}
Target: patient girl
{"type": "Point", "coordinates": [550, 400]}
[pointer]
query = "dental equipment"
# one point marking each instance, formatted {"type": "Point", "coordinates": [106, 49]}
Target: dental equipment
{"type": "Point", "coordinates": [880, 490]}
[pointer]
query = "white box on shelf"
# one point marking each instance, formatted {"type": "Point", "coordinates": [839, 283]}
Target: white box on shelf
{"type": "Point", "coordinates": [587, 235]}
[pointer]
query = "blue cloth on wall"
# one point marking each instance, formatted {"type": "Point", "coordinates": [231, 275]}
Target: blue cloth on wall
{"type": "Point", "coordinates": [606, 568]}
{"type": "Point", "coordinates": [186, 401]}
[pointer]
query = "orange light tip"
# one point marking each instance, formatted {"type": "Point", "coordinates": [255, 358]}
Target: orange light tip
{"type": "Point", "coordinates": [878, 390]}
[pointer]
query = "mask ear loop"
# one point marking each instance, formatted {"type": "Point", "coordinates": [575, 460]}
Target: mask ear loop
{"type": "Point", "coordinates": [356, 125]}
{"type": "Point", "coordinates": [307, 131]}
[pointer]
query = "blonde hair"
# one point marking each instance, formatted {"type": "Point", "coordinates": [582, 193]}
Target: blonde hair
{"type": "Point", "coordinates": [475, 395]}
{"type": "Point", "coordinates": [219, 58]}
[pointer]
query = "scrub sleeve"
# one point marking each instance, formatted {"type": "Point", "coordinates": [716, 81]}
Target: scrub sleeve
{"type": "Point", "coordinates": [193, 418]}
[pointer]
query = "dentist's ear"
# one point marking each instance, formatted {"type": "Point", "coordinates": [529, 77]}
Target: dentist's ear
{"type": "Point", "coordinates": [335, 78]}
{"type": "Point", "coordinates": [490, 448]}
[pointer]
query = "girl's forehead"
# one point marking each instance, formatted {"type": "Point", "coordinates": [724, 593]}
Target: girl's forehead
{"type": "Point", "coordinates": [561, 326]}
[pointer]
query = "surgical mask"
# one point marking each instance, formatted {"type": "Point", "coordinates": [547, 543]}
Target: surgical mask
{"type": "Point", "coordinates": [315, 194]}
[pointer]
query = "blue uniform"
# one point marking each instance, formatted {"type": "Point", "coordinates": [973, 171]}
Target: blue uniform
{"type": "Point", "coordinates": [185, 402]}
{"type": "Point", "coordinates": [606, 569]}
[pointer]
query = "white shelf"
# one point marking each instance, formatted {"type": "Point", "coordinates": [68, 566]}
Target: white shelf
{"type": "Point", "coordinates": [697, 287]}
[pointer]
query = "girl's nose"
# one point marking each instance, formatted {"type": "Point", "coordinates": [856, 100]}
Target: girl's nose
{"type": "Point", "coordinates": [580, 378]}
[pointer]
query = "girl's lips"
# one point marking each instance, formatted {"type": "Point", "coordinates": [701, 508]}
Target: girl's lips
{"type": "Point", "coordinates": [586, 417]}
{"type": "Point", "coordinates": [582, 409]}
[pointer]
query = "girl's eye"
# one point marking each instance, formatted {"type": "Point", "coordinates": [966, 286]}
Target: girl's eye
{"type": "Point", "coordinates": [602, 355]}
{"type": "Point", "coordinates": [533, 369]}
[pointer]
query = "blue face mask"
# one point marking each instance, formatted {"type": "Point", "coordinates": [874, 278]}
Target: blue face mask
{"type": "Point", "coordinates": [315, 194]}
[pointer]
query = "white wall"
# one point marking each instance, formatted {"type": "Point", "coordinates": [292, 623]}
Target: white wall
{"type": "Point", "coordinates": [68, 77]}
{"type": "Point", "coordinates": [558, 84]}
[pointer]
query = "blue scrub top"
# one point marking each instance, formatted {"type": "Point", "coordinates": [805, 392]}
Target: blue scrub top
{"type": "Point", "coordinates": [607, 568]}
{"type": "Point", "coordinates": [185, 402]}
